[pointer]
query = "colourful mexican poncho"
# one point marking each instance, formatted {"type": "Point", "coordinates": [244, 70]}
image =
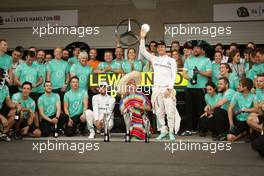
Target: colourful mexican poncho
{"type": "Point", "coordinates": [137, 129]}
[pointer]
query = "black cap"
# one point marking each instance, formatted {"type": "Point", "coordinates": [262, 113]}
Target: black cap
{"type": "Point", "coordinates": [203, 45]}
{"type": "Point", "coordinates": [161, 42]}
{"type": "Point", "coordinates": [188, 45]}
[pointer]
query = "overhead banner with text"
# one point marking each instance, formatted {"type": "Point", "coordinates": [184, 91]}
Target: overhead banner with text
{"type": "Point", "coordinates": [38, 18]}
{"type": "Point", "coordinates": [239, 12]}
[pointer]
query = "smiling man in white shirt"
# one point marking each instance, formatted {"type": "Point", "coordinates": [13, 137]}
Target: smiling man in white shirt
{"type": "Point", "coordinates": [103, 104]}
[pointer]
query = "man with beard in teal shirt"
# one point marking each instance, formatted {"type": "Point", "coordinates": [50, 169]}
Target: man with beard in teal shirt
{"type": "Point", "coordinates": [197, 70]}
{"type": "Point", "coordinates": [220, 109]}
{"type": "Point", "coordinates": [49, 106]}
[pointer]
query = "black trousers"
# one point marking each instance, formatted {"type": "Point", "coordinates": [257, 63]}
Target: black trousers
{"type": "Point", "coordinates": [221, 121]}
{"type": "Point", "coordinates": [194, 101]}
{"type": "Point", "coordinates": [70, 131]}
{"type": "Point", "coordinates": [218, 124]}
{"type": "Point", "coordinates": [258, 145]}
{"type": "Point", "coordinates": [47, 128]}
{"type": "Point", "coordinates": [208, 124]}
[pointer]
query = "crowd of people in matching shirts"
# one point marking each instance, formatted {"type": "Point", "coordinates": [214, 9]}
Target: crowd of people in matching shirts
{"type": "Point", "coordinates": [39, 90]}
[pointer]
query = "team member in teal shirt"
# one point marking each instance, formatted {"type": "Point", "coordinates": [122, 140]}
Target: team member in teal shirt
{"type": "Point", "coordinates": [132, 63]}
{"type": "Point", "coordinates": [75, 104]}
{"type": "Point", "coordinates": [258, 67]}
{"type": "Point", "coordinates": [119, 52]}
{"type": "Point", "coordinates": [239, 109]}
{"type": "Point", "coordinates": [74, 59]}
{"type": "Point", "coordinates": [211, 98]}
{"type": "Point", "coordinates": [220, 117]}
{"type": "Point", "coordinates": [5, 59]}
{"type": "Point", "coordinates": [108, 66]}
{"type": "Point", "coordinates": [82, 71]}
{"type": "Point", "coordinates": [49, 106]}
{"type": "Point", "coordinates": [255, 118]}
{"type": "Point", "coordinates": [225, 71]}
{"type": "Point", "coordinates": [41, 68]}
{"type": "Point", "coordinates": [216, 67]}
{"type": "Point", "coordinates": [197, 69]}
{"type": "Point", "coordinates": [255, 70]}
{"type": "Point", "coordinates": [204, 67]}
{"type": "Point", "coordinates": [28, 72]}
{"type": "Point", "coordinates": [6, 123]}
{"type": "Point", "coordinates": [28, 122]}
{"type": "Point", "coordinates": [58, 73]}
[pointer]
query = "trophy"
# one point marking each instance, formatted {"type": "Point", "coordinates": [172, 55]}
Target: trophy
{"type": "Point", "coordinates": [107, 118]}
{"type": "Point", "coordinates": [56, 131]}
{"type": "Point", "coordinates": [146, 125]}
{"type": "Point", "coordinates": [128, 119]}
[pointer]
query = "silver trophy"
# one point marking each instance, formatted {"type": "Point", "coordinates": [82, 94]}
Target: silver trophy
{"type": "Point", "coordinates": [146, 124]}
{"type": "Point", "coordinates": [127, 119]}
{"type": "Point", "coordinates": [107, 118]}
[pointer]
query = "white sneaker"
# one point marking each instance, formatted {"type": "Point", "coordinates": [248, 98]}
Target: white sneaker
{"type": "Point", "coordinates": [91, 136]}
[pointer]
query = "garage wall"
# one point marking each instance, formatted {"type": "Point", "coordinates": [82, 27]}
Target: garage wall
{"type": "Point", "coordinates": [167, 12]}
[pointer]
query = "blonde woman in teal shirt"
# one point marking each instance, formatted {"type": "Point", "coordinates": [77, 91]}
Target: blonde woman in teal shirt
{"type": "Point", "coordinates": [131, 64]}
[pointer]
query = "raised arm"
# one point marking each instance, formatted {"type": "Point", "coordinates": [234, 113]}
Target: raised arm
{"type": "Point", "coordinates": [142, 48]}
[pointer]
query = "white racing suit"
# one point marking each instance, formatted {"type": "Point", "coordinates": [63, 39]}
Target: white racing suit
{"type": "Point", "coordinates": [165, 70]}
{"type": "Point", "coordinates": [101, 104]}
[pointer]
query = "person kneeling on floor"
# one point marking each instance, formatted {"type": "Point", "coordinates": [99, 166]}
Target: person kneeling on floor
{"type": "Point", "coordinates": [240, 107]}
{"type": "Point", "coordinates": [103, 107]}
{"type": "Point", "coordinates": [28, 123]}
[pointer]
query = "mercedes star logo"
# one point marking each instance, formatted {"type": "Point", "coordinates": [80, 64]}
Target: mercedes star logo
{"type": "Point", "coordinates": [128, 37]}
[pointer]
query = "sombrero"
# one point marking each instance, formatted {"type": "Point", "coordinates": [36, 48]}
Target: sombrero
{"type": "Point", "coordinates": [203, 45]}
{"type": "Point", "coordinates": [122, 85]}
